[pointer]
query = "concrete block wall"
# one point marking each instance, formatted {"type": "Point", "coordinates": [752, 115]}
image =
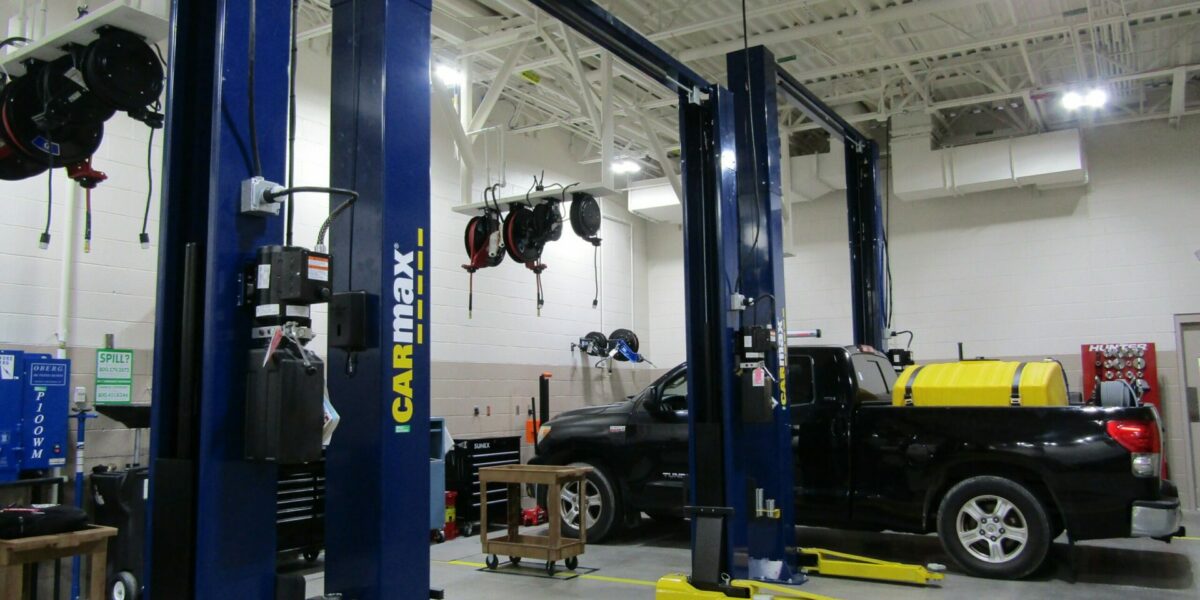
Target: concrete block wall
{"type": "Point", "coordinates": [494, 356]}
{"type": "Point", "coordinates": [114, 286]}
{"type": "Point", "coordinates": [1015, 273]}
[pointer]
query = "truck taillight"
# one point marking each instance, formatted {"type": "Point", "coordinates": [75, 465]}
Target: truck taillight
{"type": "Point", "coordinates": [1141, 439]}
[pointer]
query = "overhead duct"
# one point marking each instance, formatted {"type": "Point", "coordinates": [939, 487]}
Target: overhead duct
{"type": "Point", "coordinates": [1044, 161]}
{"type": "Point", "coordinates": [814, 175]}
{"type": "Point", "coordinates": [655, 200]}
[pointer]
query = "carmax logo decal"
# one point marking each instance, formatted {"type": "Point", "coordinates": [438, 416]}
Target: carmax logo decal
{"type": "Point", "coordinates": [408, 330]}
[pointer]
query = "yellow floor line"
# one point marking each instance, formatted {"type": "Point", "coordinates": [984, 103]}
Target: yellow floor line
{"type": "Point", "coordinates": [605, 578]}
{"type": "Point", "coordinates": [1188, 538]}
{"type": "Point", "coordinates": [619, 580]}
{"type": "Point", "coordinates": [464, 563]}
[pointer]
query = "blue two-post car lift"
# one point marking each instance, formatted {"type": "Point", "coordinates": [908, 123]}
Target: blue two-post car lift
{"type": "Point", "coordinates": [742, 512]}
{"type": "Point", "coordinates": [213, 513]}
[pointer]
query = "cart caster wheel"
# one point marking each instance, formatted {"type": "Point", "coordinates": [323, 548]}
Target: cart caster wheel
{"type": "Point", "coordinates": [123, 587]}
{"type": "Point", "coordinates": [493, 562]}
{"type": "Point", "coordinates": [571, 563]}
{"type": "Point", "coordinates": [550, 568]}
{"type": "Point", "coordinates": [439, 536]}
{"type": "Point", "coordinates": [515, 560]}
{"type": "Point", "coordinates": [468, 530]}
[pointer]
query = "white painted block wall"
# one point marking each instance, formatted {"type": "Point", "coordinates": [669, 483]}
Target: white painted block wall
{"type": "Point", "coordinates": [1014, 272]}
{"type": "Point", "coordinates": [115, 284]}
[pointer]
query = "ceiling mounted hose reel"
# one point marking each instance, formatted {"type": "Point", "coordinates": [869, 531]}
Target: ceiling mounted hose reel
{"type": "Point", "coordinates": [526, 232]}
{"type": "Point", "coordinates": [586, 220]}
{"type": "Point", "coordinates": [484, 243]}
{"type": "Point", "coordinates": [53, 116]}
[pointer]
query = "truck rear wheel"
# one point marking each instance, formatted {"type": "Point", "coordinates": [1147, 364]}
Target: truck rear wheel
{"type": "Point", "coordinates": [603, 505]}
{"type": "Point", "coordinates": [994, 527]}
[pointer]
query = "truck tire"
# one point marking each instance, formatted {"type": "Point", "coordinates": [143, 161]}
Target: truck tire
{"type": "Point", "coordinates": [994, 527]}
{"type": "Point", "coordinates": [603, 505]}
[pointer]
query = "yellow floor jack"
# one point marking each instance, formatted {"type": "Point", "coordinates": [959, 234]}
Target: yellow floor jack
{"type": "Point", "coordinates": [678, 586]}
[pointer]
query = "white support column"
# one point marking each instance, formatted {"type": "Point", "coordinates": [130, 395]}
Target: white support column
{"type": "Point", "coordinates": [1178, 96]}
{"type": "Point", "coordinates": [1035, 114]}
{"type": "Point", "coordinates": [466, 154]}
{"type": "Point", "coordinates": [581, 78]}
{"type": "Point", "coordinates": [493, 94]}
{"type": "Point", "coordinates": [660, 154]}
{"type": "Point", "coordinates": [785, 184]}
{"type": "Point", "coordinates": [608, 127]}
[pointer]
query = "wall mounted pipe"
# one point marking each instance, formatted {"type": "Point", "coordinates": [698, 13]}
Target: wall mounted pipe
{"type": "Point", "coordinates": [66, 278]}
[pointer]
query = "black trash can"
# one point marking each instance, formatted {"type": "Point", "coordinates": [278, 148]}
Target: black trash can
{"type": "Point", "coordinates": [119, 500]}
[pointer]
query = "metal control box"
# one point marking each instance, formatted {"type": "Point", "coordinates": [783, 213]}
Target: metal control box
{"type": "Point", "coordinates": [34, 398]}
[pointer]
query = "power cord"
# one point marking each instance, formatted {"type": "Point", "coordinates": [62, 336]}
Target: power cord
{"type": "Point", "coordinates": [753, 146]}
{"type": "Point", "coordinates": [251, 51]}
{"type": "Point", "coordinates": [352, 196]}
{"type": "Point", "coordinates": [44, 240]}
{"type": "Point", "coordinates": [143, 237]}
{"type": "Point", "coordinates": [291, 174]}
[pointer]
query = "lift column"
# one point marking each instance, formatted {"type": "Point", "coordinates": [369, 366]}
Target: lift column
{"type": "Point", "coordinates": [212, 513]}
{"type": "Point", "coordinates": [864, 213]}
{"type": "Point", "coordinates": [377, 466]}
{"type": "Point", "coordinates": [758, 423]}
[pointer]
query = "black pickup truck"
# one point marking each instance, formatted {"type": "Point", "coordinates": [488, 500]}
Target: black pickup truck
{"type": "Point", "coordinates": [996, 484]}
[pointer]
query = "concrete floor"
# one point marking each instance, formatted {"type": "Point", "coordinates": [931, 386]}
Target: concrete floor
{"type": "Point", "coordinates": [628, 566]}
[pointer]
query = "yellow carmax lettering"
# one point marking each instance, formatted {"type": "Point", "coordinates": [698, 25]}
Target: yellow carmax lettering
{"type": "Point", "coordinates": [402, 408]}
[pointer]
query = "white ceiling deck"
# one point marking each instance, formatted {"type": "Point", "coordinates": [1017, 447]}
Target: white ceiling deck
{"type": "Point", "coordinates": [980, 68]}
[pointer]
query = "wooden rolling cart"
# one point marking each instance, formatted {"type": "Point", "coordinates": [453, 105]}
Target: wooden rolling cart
{"type": "Point", "coordinates": [550, 548]}
{"type": "Point", "coordinates": [16, 554]}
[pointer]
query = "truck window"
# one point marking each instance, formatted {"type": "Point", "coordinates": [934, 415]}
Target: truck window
{"type": "Point", "coordinates": [802, 386]}
{"type": "Point", "coordinates": [814, 375]}
{"type": "Point", "coordinates": [872, 383]}
{"type": "Point", "coordinates": [674, 393]}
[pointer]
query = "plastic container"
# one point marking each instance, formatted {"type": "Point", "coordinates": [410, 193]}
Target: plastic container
{"type": "Point", "coordinates": [982, 383]}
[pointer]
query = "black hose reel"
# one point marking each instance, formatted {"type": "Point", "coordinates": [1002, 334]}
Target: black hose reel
{"type": "Point", "coordinates": [53, 116]}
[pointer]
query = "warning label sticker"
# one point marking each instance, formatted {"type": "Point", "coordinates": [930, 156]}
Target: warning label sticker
{"type": "Point", "coordinates": [8, 364]}
{"type": "Point", "coordinates": [318, 268]}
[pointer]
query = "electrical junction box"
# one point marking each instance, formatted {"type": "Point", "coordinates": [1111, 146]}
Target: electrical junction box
{"type": "Point", "coordinates": [35, 394]}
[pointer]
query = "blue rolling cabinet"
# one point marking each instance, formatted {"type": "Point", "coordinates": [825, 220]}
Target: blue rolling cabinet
{"type": "Point", "coordinates": [437, 475]}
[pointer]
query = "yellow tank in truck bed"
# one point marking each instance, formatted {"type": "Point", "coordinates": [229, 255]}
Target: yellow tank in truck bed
{"type": "Point", "coordinates": [982, 383]}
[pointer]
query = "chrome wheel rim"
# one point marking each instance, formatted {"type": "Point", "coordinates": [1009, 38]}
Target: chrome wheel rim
{"type": "Point", "coordinates": [992, 529]}
{"type": "Point", "coordinates": [569, 501]}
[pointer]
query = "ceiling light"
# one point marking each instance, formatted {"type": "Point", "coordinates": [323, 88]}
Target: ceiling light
{"type": "Point", "coordinates": [1072, 101]}
{"type": "Point", "coordinates": [1094, 98]}
{"type": "Point", "coordinates": [625, 166]}
{"type": "Point", "coordinates": [449, 75]}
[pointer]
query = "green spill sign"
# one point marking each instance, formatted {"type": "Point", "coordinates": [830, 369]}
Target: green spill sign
{"type": "Point", "coordinates": [114, 376]}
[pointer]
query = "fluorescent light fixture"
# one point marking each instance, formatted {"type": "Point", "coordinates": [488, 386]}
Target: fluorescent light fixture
{"type": "Point", "coordinates": [624, 166]}
{"type": "Point", "coordinates": [1094, 98]}
{"type": "Point", "coordinates": [1072, 101]}
{"type": "Point", "coordinates": [449, 75]}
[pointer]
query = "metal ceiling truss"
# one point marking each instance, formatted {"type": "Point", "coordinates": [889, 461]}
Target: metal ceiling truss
{"type": "Point", "coordinates": [886, 56]}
